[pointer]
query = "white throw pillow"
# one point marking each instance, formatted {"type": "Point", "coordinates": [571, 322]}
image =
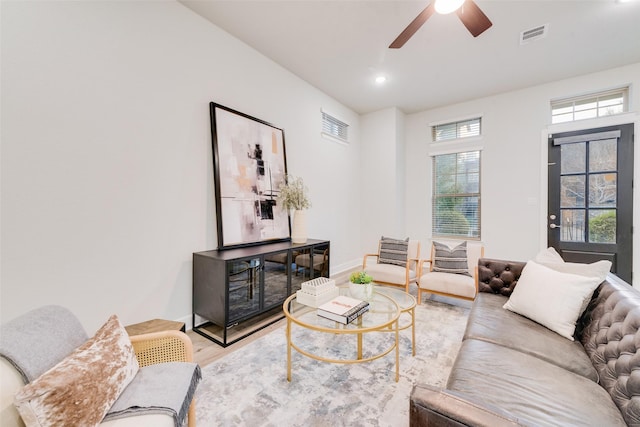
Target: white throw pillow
{"type": "Point", "coordinates": [597, 269]}
{"type": "Point", "coordinates": [552, 259]}
{"type": "Point", "coordinates": [552, 298]}
{"type": "Point", "coordinates": [548, 255]}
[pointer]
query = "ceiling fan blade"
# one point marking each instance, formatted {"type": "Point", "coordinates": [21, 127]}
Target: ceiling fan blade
{"type": "Point", "coordinates": [412, 27]}
{"type": "Point", "coordinates": [473, 18]}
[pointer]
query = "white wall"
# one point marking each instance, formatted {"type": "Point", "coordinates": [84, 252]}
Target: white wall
{"type": "Point", "coordinates": [382, 175]}
{"type": "Point", "coordinates": [107, 180]}
{"type": "Point", "coordinates": [513, 161]}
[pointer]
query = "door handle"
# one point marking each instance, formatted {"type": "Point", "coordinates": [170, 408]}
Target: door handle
{"type": "Point", "coordinates": [554, 226]}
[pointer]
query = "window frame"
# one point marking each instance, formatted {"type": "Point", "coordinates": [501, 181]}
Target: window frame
{"type": "Point", "coordinates": [435, 196]}
{"type": "Point", "coordinates": [329, 122]}
{"type": "Point", "coordinates": [457, 123]}
{"type": "Point", "coordinates": [570, 104]}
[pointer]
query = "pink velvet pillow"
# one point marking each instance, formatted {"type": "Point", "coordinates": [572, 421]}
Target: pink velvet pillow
{"type": "Point", "coordinates": [80, 389]}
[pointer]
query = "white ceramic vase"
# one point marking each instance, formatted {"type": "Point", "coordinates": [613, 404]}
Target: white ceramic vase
{"type": "Point", "coordinates": [299, 229]}
{"type": "Point", "coordinates": [359, 291]}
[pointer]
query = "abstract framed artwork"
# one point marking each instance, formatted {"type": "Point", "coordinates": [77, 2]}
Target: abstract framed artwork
{"type": "Point", "coordinates": [250, 164]}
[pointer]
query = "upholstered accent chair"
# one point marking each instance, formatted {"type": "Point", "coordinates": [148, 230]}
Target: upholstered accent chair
{"type": "Point", "coordinates": [452, 270]}
{"type": "Point", "coordinates": [394, 265]}
{"type": "Point", "coordinates": [52, 373]}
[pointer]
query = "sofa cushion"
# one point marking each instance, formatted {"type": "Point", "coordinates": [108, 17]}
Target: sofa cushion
{"type": "Point", "coordinates": [82, 387]}
{"type": "Point", "coordinates": [488, 321]}
{"type": "Point", "coordinates": [529, 388]}
{"type": "Point", "coordinates": [450, 260]}
{"type": "Point", "coordinates": [551, 298]}
{"type": "Point", "coordinates": [393, 251]}
{"type": "Point", "coordinates": [456, 284]}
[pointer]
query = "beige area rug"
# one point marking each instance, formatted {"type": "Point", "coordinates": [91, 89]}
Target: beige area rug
{"type": "Point", "coordinates": [249, 387]}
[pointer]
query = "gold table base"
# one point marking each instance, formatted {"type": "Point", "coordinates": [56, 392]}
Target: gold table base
{"type": "Point", "coordinates": [391, 325]}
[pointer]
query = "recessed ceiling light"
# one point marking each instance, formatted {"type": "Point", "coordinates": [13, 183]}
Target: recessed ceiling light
{"type": "Point", "coordinates": [381, 79]}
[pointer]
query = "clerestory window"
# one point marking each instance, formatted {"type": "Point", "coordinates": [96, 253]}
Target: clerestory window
{"type": "Point", "coordinates": [334, 128]}
{"type": "Point", "coordinates": [590, 106]}
{"type": "Point", "coordinates": [457, 130]}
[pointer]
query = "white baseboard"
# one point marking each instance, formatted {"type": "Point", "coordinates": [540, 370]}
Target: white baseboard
{"type": "Point", "coordinates": [346, 267]}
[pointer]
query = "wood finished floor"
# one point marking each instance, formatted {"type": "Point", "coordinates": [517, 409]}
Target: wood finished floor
{"type": "Point", "coordinates": [206, 351]}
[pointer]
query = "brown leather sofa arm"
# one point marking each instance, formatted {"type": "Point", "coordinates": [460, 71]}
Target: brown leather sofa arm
{"type": "Point", "coordinates": [434, 407]}
{"type": "Point", "coordinates": [498, 276]}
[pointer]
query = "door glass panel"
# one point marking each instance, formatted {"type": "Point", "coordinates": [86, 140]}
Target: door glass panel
{"type": "Point", "coordinates": [573, 158]}
{"type": "Point", "coordinates": [276, 273]}
{"type": "Point", "coordinates": [572, 191]}
{"type": "Point", "coordinates": [572, 225]}
{"type": "Point", "coordinates": [603, 190]}
{"type": "Point", "coordinates": [602, 226]}
{"type": "Point", "coordinates": [244, 287]}
{"type": "Point", "coordinates": [603, 155]}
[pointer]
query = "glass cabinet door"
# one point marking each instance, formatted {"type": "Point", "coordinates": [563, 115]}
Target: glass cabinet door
{"type": "Point", "coordinates": [276, 273]}
{"type": "Point", "coordinates": [301, 258]}
{"type": "Point", "coordinates": [309, 263]}
{"type": "Point", "coordinates": [244, 287]}
{"type": "Point", "coordinates": [321, 261]}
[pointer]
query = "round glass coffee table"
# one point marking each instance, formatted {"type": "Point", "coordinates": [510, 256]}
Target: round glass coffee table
{"type": "Point", "coordinates": [407, 305]}
{"type": "Point", "coordinates": [382, 316]}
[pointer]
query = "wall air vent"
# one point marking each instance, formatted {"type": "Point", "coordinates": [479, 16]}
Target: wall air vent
{"type": "Point", "coordinates": [533, 34]}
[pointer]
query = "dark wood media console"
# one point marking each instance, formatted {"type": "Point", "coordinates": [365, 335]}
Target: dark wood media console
{"type": "Point", "coordinates": [237, 292]}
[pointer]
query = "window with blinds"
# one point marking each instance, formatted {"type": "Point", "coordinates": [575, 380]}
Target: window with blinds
{"type": "Point", "coordinates": [335, 128]}
{"type": "Point", "coordinates": [457, 130]}
{"type": "Point", "coordinates": [456, 195]}
{"type": "Point", "coordinates": [590, 106]}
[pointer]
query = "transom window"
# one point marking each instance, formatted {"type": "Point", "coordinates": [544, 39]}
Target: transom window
{"type": "Point", "coordinates": [457, 130]}
{"type": "Point", "coordinates": [456, 195]}
{"type": "Point", "coordinates": [590, 106]}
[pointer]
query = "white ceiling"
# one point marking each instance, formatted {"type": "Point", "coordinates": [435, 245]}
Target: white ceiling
{"type": "Point", "coordinates": [339, 46]}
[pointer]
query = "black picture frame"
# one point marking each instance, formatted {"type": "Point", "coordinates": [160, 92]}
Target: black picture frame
{"type": "Point", "coordinates": [250, 164]}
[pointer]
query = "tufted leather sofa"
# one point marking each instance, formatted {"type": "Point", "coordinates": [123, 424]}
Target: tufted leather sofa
{"type": "Point", "coordinates": [511, 371]}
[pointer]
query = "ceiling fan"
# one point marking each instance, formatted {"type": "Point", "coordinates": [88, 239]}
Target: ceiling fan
{"type": "Point", "coordinates": [469, 13]}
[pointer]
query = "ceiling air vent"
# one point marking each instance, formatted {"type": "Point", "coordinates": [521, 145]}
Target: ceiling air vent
{"type": "Point", "coordinates": [534, 34]}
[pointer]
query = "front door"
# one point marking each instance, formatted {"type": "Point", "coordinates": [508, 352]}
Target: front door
{"type": "Point", "coordinates": [590, 196]}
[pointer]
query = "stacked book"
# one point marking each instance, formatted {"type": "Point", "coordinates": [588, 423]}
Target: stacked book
{"type": "Point", "coordinates": [343, 309]}
{"type": "Point", "coordinates": [317, 291]}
